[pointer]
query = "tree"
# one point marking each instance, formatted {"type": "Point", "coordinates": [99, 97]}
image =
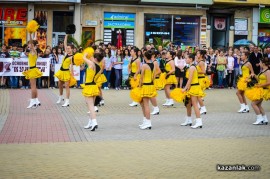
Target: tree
{"type": "Point", "coordinates": [86, 41]}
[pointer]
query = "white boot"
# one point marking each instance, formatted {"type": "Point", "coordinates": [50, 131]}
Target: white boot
{"type": "Point", "coordinates": [146, 124]}
{"type": "Point", "coordinates": [198, 123]}
{"type": "Point", "coordinates": [259, 120]}
{"type": "Point", "coordinates": [32, 103]}
{"type": "Point", "coordinates": [188, 121]}
{"type": "Point", "coordinates": [94, 125]}
{"type": "Point", "coordinates": [38, 103]}
{"type": "Point", "coordinates": [66, 104]}
{"type": "Point", "coordinates": [144, 119]}
{"type": "Point", "coordinates": [88, 125]}
{"type": "Point", "coordinates": [60, 99]}
{"type": "Point", "coordinates": [265, 120]}
{"type": "Point", "coordinates": [170, 102]}
{"type": "Point", "coordinates": [133, 104]}
{"type": "Point", "coordinates": [203, 110]}
{"type": "Point", "coordinates": [155, 110]}
{"type": "Point", "coordinates": [243, 108]}
{"type": "Point", "coordinates": [246, 108]}
{"type": "Point", "coordinates": [165, 104]}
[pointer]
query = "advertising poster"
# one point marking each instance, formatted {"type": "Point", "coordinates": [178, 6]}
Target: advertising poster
{"type": "Point", "coordinates": [15, 35]}
{"type": "Point", "coordinates": [186, 30]}
{"type": "Point", "coordinates": [157, 26]}
{"type": "Point", "coordinates": [10, 67]}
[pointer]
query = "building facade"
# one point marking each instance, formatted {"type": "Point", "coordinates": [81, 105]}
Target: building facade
{"type": "Point", "coordinates": [215, 23]}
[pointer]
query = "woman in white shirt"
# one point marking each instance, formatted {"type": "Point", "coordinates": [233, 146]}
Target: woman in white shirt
{"type": "Point", "coordinates": [180, 63]}
{"type": "Point", "coordinates": [230, 69]}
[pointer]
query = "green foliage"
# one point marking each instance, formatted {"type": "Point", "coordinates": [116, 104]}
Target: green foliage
{"type": "Point", "coordinates": [85, 40]}
{"type": "Point", "coordinates": [160, 42]}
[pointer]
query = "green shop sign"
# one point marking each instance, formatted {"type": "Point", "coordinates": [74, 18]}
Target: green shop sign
{"type": "Point", "coordinates": [265, 15]}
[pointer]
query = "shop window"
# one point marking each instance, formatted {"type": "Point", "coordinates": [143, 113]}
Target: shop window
{"type": "Point", "coordinates": [186, 30]}
{"type": "Point", "coordinates": [41, 18]}
{"type": "Point", "coordinates": [157, 26]}
{"type": "Point", "coordinates": [119, 28]}
{"type": "Point", "coordinates": [61, 19]}
{"type": "Point", "coordinates": [15, 35]}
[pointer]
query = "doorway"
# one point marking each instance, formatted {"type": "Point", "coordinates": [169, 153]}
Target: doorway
{"type": "Point", "coordinates": [220, 32]}
{"type": "Point", "coordinates": [89, 32]}
{"type": "Point", "coordinates": [58, 37]}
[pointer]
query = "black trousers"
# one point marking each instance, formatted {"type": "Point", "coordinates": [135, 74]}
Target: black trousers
{"type": "Point", "coordinates": [230, 78]}
{"type": "Point", "coordinates": [52, 83]}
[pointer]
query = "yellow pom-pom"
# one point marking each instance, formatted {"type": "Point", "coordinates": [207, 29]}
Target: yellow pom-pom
{"type": "Point", "coordinates": [90, 52]}
{"type": "Point", "coordinates": [78, 59]}
{"type": "Point", "coordinates": [72, 81]}
{"type": "Point", "coordinates": [32, 26]}
{"type": "Point", "coordinates": [178, 95]}
{"type": "Point", "coordinates": [135, 95]}
{"type": "Point", "coordinates": [254, 94]}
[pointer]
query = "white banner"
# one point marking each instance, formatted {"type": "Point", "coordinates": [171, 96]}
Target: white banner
{"type": "Point", "coordinates": [10, 67]}
{"type": "Point", "coordinates": [76, 71]}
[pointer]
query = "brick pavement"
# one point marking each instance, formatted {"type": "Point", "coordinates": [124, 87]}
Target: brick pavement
{"type": "Point", "coordinates": [119, 149]}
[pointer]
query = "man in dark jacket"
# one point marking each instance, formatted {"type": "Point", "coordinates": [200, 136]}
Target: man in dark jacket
{"type": "Point", "coordinates": [254, 59]}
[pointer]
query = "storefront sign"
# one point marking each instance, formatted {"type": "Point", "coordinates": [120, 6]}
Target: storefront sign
{"type": "Point", "coordinates": [265, 15]}
{"type": "Point", "coordinates": [13, 16]}
{"type": "Point", "coordinates": [10, 67]}
{"type": "Point", "coordinates": [118, 24]}
{"type": "Point", "coordinates": [111, 16]}
{"type": "Point", "coordinates": [91, 23]}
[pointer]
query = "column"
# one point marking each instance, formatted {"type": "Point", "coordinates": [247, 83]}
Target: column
{"type": "Point", "coordinates": [77, 22]}
{"type": "Point", "coordinates": [256, 18]}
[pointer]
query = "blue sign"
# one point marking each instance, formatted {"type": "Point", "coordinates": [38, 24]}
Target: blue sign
{"type": "Point", "coordinates": [119, 24]}
{"type": "Point", "coordinates": [112, 16]}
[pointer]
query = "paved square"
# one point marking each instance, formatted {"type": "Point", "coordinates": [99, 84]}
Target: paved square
{"type": "Point", "coordinates": [50, 142]}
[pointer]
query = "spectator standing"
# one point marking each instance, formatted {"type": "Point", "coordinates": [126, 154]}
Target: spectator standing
{"type": "Point", "coordinates": [254, 59]}
{"type": "Point", "coordinates": [4, 54]}
{"type": "Point", "coordinates": [117, 64]}
{"type": "Point", "coordinates": [24, 54]}
{"type": "Point", "coordinates": [14, 53]}
{"type": "Point", "coordinates": [221, 66]}
{"type": "Point", "coordinates": [126, 62]}
{"type": "Point", "coordinates": [230, 69]}
{"type": "Point", "coordinates": [53, 61]}
{"type": "Point", "coordinates": [236, 63]}
{"type": "Point", "coordinates": [108, 68]}
{"type": "Point", "coordinates": [180, 63]}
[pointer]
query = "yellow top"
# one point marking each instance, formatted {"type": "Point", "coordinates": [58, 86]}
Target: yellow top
{"type": "Point", "coordinates": [90, 75]}
{"type": "Point", "coordinates": [134, 67]}
{"type": "Point", "coordinates": [199, 70]}
{"type": "Point", "coordinates": [195, 79]}
{"type": "Point", "coordinates": [245, 71]}
{"type": "Point", "coordinates": [32, 59]}
{"type": "Point", "coordinates": [66, 62]}
{"type": "Point", "coordinates": [148, 76]}
{"type": "Point", "coordinates": [168, 67]}
{"type": "Point", "coordinates": [262, 79]}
